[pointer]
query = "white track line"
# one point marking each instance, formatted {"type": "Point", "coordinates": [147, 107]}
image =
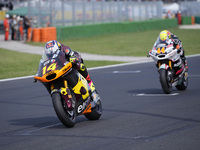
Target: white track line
{"type": "Point", "coordinates": [144, 94]}
{"type": "Point", "coordinates": [94, 68]}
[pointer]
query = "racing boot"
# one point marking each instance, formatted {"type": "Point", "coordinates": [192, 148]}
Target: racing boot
{"type": "Point", "coordinates": [90, 82]}
{"type": "Point", "coordinates": [84, 72]}
{"type": "Point", "coordinates": [185, 63]}
{"type": "Point", "coordinates": [94, 94]}
{"type": "Point", "coordinates": [82, 69]}
{"type": "Point", "coordinates": [186, 66]}
{"type": "Point", "coordinates": [184, 59]}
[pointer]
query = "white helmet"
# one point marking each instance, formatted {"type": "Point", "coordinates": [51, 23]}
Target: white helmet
{"type": "Point", "coordinates": [51, 47]}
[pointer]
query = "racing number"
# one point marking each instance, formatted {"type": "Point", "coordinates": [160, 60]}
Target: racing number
{"type": "Point", "coordinates": [50, 68]}
{"type": "Point", "coordinates": [161, 50]}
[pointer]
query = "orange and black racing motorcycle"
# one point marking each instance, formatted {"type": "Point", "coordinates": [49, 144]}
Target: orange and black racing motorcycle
{"type": "Point", "coordinates": [69, 90]}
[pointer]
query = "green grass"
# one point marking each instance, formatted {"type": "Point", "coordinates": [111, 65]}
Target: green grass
{"type": "Point", "coordinates": [16, 64]}
{"type": "Point", "coordinates": [131, 44]}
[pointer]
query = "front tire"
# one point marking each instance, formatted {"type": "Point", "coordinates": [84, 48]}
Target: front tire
{"type": "Point", "coordinates": [165, 81]}
{"type": "Point", "coordinates": [67, 118]}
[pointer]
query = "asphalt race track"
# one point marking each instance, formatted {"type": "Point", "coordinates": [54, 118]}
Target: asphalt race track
{"type": "Point", "coordinates": [137, 115]}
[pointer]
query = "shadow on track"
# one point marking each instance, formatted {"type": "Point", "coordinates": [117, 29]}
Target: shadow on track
{"type": "Point", "coordinates": [42, 121]}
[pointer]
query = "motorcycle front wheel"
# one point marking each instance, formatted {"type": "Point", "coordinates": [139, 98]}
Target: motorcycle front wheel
{"type": "Point", "coordinates": [165, 81]}
{"type": "Point", "coordinates": [67, 118]}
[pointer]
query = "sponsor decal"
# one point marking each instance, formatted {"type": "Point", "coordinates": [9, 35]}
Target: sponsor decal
{"type": "Point", "coordinates": [81, 107]}
{"type": "Point", "coordinates": [177, 64]}
{"type": "Point", "coordinates": [49, 45]}
{"type": "Point", "coordinates": [46, 62]}
{"type": "Point", "coordinates": [65, 69]}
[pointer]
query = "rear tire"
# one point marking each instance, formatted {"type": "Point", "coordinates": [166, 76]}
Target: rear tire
{"type": "Point", "coordinates": [96, 112]}
{"type": "Point", "coordinates": [184, 83]}
{"type": "Point", "coordinates": [64, 116]}
{"type": "Point", "coordinates": [164, 80]}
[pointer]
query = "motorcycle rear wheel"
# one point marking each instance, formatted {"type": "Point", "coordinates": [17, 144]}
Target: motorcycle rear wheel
{"type": "Point", "coordinates": [64, 116]}
{"type": "Point", "coordinates": [184, 84]}
{"type": "Point", "coordinates": [96, 112]}
{"type": "Point", "coordinates": [164, 80]}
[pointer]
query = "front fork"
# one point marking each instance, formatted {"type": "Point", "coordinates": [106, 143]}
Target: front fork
{"type": "Point", "coordinates": [164, 65]}
{"type": "Point", "coordinates": [65, 93]}
{"type": "Point", "coordinates": [168, 68]}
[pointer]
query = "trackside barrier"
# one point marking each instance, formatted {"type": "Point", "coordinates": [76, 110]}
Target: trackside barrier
{"type": "Point", "coordinates": [197, 19]}
{"type": "Point", "coordinates": [44, 34]}
{"type": "Point", "coordinates": [190, 20]}
{"type": "Point", "coordinates": [64, 32]}
{"type": "Point", "coordinates": [186, 20]}
{"type": "Point", "coordinates": [36, 35]}
{"type": "Point", "coordinates": [48, 33]}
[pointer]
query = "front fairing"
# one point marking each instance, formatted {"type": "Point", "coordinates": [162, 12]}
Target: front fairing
{"type": "Point", "coordinates": [53, 67]}
{"type": "Point", "coordinates": [56, 62]}
{"type": "Point", "coordinates": [164, 50]}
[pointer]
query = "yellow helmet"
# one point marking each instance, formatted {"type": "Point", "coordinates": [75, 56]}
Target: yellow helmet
{"type": "Point", "coordinates": [164, 35]}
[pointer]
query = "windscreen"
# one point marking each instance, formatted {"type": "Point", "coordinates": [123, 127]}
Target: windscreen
{"type": "Point", "coordinates": [46, 56]}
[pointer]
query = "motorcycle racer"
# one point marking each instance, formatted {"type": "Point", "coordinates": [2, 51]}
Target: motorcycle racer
{"type": "Point", "coordinates": [165, 35]}
{"type": "Point", "coordinates": [170, 62]}
{"type": "Point", "coordinates": [74, 57]}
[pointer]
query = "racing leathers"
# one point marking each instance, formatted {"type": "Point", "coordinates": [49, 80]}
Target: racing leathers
{"type": "Point", "coordinates": [166, 35]}
{"type": "Point", "coordinates": [178, 44]}
{"type": "Point", "coordinates": [75, 58]}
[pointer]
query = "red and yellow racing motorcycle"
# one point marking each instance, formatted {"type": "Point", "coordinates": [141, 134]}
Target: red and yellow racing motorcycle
{"type": "Point", "coordinates": [70, 92]}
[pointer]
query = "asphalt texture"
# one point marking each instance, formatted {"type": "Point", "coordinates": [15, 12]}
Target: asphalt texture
{"type": "Point", "coordinates": [137, 115]}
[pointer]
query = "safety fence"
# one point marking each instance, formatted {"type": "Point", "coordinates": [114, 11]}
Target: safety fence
{"type": "Point", "coordinates": [71, 13]}
{"type": "Point", "coordinates": [69, 32]}
{"type": "Point", "coordinates": [190, 8]}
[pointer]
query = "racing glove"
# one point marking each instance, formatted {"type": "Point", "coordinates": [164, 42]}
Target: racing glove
{"type": "Point", "coordinates": [73, 59]}
{"type": "Point", "coordinates": [76, 63]}
{"type": "Point", "coordinates": [177, 45]}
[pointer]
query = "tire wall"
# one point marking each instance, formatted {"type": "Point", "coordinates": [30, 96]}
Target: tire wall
{"type": "Point", "coordinates": [190, 20]}
{"type": "Point", "coordinates": [197, 19]}
{"type": "Point", "coordinates": [44, 34]}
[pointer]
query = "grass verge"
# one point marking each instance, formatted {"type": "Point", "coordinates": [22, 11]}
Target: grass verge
{"type": "Point", "coordinates": [16, 64]}
{"type": "Point", "coordinates": [131, 44]}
